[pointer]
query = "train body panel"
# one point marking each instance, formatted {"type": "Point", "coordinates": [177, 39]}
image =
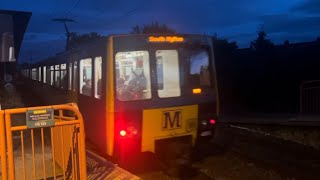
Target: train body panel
{"type": "Point", "coordinates": [168, 122]}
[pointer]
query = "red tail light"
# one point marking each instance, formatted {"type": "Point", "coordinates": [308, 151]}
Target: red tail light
{"type": "Point", "coordinates": [212, 121]}
{"type": "Point", "coordinates": [132, 130]}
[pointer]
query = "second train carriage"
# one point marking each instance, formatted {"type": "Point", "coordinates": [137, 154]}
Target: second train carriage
{"type": "Point", "coordinates": [137, 93]}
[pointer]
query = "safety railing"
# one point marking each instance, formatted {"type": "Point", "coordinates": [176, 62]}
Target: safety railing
{"type": "Point", "coordinates": [45, 142]}
{"type": "Point", "coordinates": [310, 97]}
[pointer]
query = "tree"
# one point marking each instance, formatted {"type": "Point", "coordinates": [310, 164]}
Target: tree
{"type": "Point", "coordinates": [222, 44]}
{"type": "Point", "coordinates": [261, 43]}
{"type": "Point", "coordinates": [286, 43]}
{"type": "Point", "coordinates": [152, 28]}
{"type": "Point", "coordinates": [76, 39]}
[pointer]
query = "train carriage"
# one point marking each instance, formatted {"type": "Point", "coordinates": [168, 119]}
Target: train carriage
{"type": "Point", "coordinates": [138, 93]}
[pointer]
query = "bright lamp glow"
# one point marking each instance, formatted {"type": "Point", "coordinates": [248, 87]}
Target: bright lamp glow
{"type": "Point", "coordinates": [212, 121]}
{"type": "Point", "coordinates": [123, 133]}
{"type": "Point", "coordinates": [170, 39]}
{"type": "Point", "coordinates": [196, 91]}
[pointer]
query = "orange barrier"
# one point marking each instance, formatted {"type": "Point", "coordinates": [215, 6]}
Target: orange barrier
{"type": "Point", "coordinates": [43, 150]}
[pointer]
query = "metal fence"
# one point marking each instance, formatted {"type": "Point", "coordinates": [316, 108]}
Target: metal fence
{"type": "Point", "coordinates": [42, 151]}
{"type": "Point", "coordinates": [310, 97]}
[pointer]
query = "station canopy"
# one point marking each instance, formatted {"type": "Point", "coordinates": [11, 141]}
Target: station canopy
{"type": "Point", "coordinates": [13, 25]}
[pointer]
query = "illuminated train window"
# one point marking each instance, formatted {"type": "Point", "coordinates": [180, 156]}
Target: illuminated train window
{"type": "Point", "coordinates": [132, 71]}
{"type": "Point", "coordinates": [52, 75]}
{"type": "Point", "coordinates": [97, 77]}
{"type": "Point", "coordinates": [168, 73]}
{"type": "Point", "coordinates": [63, 78]}
{"type": "Point", "coordinates": [34, 73]}
{"type": "Point", "coordinates": [44, 79]}
{"type": "Point", "coordinates": [86, 77]}
{"type": "Point", "coordinates": [48, 76]}
{"type": "Point", "coordinates": [70, 76]}
{"type": "Point", "coordinates": [75, 75]}
{"type": "Point", "coordinates": [39, 74]}
{"type": "Point", "coordinates": [57, 76]}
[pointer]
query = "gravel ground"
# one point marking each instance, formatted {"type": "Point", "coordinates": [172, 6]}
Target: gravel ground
{"type": "Point", "coordinates": [309, 136]}
{"type": "Point", "coordinates": [228, 166]}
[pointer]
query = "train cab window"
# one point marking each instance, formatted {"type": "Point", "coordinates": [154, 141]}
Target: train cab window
{"type": "Point", "coordinates": [70, 76]}
{"type": "Point", "coordinates": [44, 79]}
{"type": "Point", "coordinates": [199, 69]}
{"type": "Point", "coordinates": [168, 73]}
{"type": "Point", "coordinates": [34, 73]}
{"type": "Point", "coordinates": [97, 77]}
{"type": "Point", "coordinates": [86, 77]}
{"type": "Point", "coordinates": [75, 75]}
{"type": "Point", "coordinates": [39, 74]}
{"type": "Point", "coordinates": [64, 79]}
{"type": "Point", "coordinates": [52, 75]}
{"type": "Point", "coordinates": [132, 75]}
{"type": "Point", "coordinates": [57, 75]}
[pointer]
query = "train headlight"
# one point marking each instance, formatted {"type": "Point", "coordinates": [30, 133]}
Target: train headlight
{"type": "Point", "coordinates": [123, 133]}
{"type": "Point", "coordinates": [204, 123]}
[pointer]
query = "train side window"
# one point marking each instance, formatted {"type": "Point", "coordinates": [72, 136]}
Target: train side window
{"type": "Point", "coordinates": [75, 75]}
{"type": "Point", "coordinates": [168, 73]}
{"type": "Point", "coordinates": [44, 79]}
{"type": "Point", "coordinates": [39, 74]}
{"type": "Point", "coordinates": [64, 79]}
{"type": "Point", "coordinates": [86, 77]}
{"type": "Point", "coordinates": [97, 77]}
{"type": "Point", "coordinates": [48, 77]}
{"type": "Point", "coordinates": [132, 71]}
{"type": "Point", "coordinates": [70, 76]}
{"type": "Point", "coordinates": [52, 75]}
{"type": "Point", "coordinates": [57, 75]}
{"type": "Point", "coordinates": [34, 73]}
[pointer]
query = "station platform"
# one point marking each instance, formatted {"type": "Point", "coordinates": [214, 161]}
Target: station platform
{"type": "Point", "coordinates": [97, 166]}
{"type": "Point", "coordinates": [100, 168]}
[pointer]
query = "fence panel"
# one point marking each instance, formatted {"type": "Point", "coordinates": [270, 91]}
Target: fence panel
{"type": "Point", "coordinates": [37, 149]}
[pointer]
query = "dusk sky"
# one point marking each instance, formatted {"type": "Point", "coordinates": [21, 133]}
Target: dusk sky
{"type": "Point", "coordinates": [235, 20]}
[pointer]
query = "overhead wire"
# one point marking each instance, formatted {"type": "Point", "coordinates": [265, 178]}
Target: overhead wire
{"type": "Point", "coordinates": [70, 10]}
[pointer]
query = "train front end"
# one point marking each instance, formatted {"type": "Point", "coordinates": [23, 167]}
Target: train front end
{"type": "Point", "coordinates": [164, 94]}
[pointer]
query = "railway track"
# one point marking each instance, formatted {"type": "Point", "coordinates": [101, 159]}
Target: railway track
{"type": "Point", "coordinates": [251, 155]}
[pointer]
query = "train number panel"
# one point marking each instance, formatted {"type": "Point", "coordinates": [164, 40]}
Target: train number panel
{"type": "Point", "coordinates": [166, 123]}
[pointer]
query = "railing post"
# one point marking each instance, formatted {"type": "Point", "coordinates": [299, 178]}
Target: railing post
{"type": "Point", "coordinates": [3, 151]}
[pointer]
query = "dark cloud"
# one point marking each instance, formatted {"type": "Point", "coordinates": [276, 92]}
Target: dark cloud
{"type": "Point", "coordinates": [308, 6]}
{"type": "Point", "coordinates": [283, 26]}
{"type": "Point", "coordinates": [36, 51]}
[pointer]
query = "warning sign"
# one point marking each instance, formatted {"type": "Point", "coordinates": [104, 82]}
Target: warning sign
{"type": "Point", "coordinates": [40, 118]}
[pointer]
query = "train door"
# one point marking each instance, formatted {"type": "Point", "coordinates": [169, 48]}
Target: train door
{"type": "Point", "coordinates": [90, 98]}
